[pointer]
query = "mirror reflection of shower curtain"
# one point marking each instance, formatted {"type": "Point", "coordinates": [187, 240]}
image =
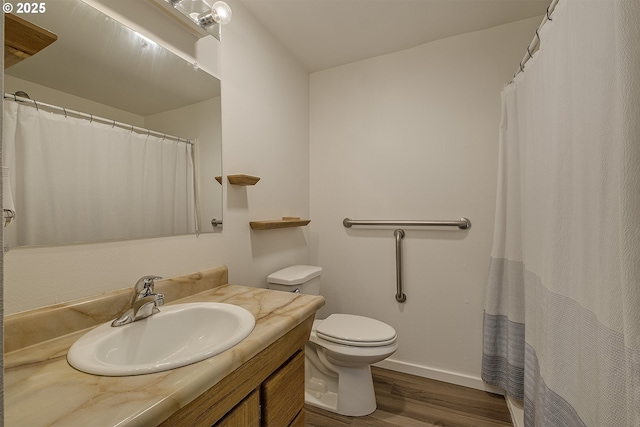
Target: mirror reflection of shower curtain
{"type": "Point", "coordinates": [75, 180]}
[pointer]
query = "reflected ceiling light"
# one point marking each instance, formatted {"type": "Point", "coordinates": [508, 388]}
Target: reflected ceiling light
{"type": "Point", "coordinates": [202, 14]}
{"type": "Point", "coordinates": [145, 40]}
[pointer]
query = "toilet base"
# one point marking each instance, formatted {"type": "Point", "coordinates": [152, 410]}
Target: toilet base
{"type": "Point", "coordinates": [327, 401]}
{"type": "Point", "coordinates": [345, 390]}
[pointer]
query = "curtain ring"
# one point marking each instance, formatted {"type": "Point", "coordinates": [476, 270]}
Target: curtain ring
{"type": "Point", "coordinates": [90, 118]}
{"type": "Point", "coordinates": [529, 52]}
{"type": "Point", "coordinates": [15, 98]}
{"type": "Point", "coordinates": [36, 104]}
{"type": "Point", "coordinates": [164, 136]}
{"type": "Point", "coordinates": [548, 16]}
{"type": "Point", "coordinates": [65, 112]}
{"type": "Point", "coordinates": [521, 68]}
{"type": "Point", "coordinates": [113, 124]}
{"type": "Point", "coordinates": [131, 128]}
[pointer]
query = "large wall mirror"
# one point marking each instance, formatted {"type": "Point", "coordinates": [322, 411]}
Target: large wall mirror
{"type": "Point", "coordinates": [101, 68]}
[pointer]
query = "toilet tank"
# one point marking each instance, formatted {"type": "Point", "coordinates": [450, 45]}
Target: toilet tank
{"type": "Point", "coordinates": [297, 278]}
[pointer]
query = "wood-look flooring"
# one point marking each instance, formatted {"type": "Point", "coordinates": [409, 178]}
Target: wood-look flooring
{"type": "Point", "coordinates": [408, 401]}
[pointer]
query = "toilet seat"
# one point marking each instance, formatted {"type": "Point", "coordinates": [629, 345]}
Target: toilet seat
{"type": "Point", "coordinates": [348, 354]}
{"type": "Point", "coordinates": [356, 331]}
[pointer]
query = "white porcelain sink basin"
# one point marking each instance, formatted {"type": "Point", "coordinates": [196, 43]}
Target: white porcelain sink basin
{"type": "Point", "coordinates": [179, 335]}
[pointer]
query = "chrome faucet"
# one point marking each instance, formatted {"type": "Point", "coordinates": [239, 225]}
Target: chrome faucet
{"type": "Point", "coordinates": [144, 302]}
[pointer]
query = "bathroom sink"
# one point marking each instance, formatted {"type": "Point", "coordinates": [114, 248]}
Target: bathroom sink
{"type": "Point", "coordinates": [178, 335]}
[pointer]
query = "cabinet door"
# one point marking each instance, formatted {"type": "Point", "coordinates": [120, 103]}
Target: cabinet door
{"type": "Point", "coordinates": [283, 393]}
{"type": "Point", "coordinates": [245, 414]}
{"type": "Point", "coordinates": [298, 421]}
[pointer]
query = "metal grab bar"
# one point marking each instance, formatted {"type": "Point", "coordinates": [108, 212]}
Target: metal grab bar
{"type": "Point", "coordinates": [463, 223]}
{"type": "Point", "coordinates": [400, 296]}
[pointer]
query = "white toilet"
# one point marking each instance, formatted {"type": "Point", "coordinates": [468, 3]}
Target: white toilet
{"type": "Point", "coordinates": [340, 350]}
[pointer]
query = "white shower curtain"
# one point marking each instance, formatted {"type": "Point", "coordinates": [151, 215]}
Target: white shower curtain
{"type": "Point", "coordinates": [562, 309]}
{"type": "Point", "coordinates": [75, 180]}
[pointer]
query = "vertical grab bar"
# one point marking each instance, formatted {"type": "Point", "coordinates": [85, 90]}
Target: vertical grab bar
{"type": "Point", "coordinates": [400, 296]}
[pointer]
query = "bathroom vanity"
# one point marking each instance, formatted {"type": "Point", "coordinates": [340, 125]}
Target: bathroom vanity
{"type": "Point", "coordinates": [260, 381]}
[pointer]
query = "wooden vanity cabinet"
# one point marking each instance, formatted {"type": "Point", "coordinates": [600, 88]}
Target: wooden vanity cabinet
{"type": "Point", "coordinates": [282, 394]}
{"type": "Point", "coordinates": [246, 413]}
{"type": "Point", "coordinates": [267, 390]}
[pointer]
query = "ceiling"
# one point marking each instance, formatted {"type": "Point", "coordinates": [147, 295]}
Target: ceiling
{"type": "Point", "coordinates": [326, 33]}
{"type": "Point", "coordinates": [320, 33]}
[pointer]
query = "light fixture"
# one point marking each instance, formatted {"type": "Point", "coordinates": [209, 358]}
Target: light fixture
{"type": "Point", "coordinates": [220, 14]}
{"type": "Point", "coordinates": [202, 14]}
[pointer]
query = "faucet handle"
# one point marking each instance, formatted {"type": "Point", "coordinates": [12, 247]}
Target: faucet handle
{"type": "Point", "coordinates": [144, 285]}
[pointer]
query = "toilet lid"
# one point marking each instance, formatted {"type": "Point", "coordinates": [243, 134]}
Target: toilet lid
{"type": "Point", "coordinates": [356, 331]}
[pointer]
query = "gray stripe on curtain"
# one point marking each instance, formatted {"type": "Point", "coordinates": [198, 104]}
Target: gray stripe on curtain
{"type": "Point", "coordinates": [503, 327]}
{"type": "Point", "coordinates": [549, 408]}
{"type": "Point", "coordinates": [503, 354]}
{"type": "Point", "coordinates": [587, 375]}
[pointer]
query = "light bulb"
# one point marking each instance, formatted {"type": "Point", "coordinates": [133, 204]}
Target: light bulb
{"type": "Point", "coordinates": [221, 12]}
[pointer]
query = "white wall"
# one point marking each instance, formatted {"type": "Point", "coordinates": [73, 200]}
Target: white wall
{"type": "Point", "coordinates": [265, 133]}
{"type": "Point", "coordinates": [413, 135]}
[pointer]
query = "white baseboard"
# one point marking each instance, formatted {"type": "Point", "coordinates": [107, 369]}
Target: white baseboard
{"type": "Point", "coordinates": [438, 374]}
{"type": "Point", "coordinates": [516, 410]}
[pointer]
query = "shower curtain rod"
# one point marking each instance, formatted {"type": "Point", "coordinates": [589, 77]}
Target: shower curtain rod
{"type": "Point", "coordinates": [535, 43]}
{"type": "Point", "coordinates": [91, 118]}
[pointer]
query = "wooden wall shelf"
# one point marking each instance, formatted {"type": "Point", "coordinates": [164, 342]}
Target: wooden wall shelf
{"type": "Point", "coordinates": [285, 222]}
{"type": "Point", "coordinates": [242, 179]}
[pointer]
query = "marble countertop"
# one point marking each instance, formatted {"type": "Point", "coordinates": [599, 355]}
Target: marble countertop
{"type": "Point", "coordinates": [42, 389]}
